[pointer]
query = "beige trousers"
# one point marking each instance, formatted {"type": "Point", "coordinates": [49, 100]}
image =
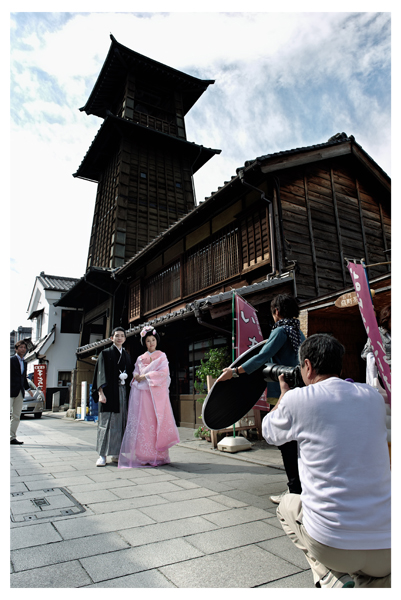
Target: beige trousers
{"type": "Point", "coordinates": [368, 568]}
{"type": "Point", "coordinates": [16, 407]}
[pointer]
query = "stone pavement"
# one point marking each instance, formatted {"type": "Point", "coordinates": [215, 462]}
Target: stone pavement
{"type": "Point", "coordinates": [204, 521]}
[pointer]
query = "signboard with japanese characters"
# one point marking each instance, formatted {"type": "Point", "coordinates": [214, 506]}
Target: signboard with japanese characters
{"type": "Point", "coordinates": [248, 334]}
{"type": "Point", "coordinates": [39, 376]}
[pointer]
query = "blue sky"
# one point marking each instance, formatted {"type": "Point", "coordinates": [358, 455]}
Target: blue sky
{"type": "Point", "coordinates": [283, 80]}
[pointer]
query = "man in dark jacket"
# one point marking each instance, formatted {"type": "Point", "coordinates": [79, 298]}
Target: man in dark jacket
{"type": "Point", "coordinates": [18, 385]}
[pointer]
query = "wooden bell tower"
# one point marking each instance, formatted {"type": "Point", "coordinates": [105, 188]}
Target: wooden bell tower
{"type": "Point", "coordinates": [140, 157]}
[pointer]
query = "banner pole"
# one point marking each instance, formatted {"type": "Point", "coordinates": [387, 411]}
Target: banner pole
{"type": "Point", "coordinates": [233, 338]}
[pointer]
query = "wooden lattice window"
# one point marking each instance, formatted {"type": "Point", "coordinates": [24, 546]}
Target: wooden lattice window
{"type": "Point", "coordinates": [255, 238]}
{"type": "Point", "coordinates": [134, 310]}
{"type": "Point", "coordinates": [164, 287]}
{"type": "Point", "coordinates": [213, 261]}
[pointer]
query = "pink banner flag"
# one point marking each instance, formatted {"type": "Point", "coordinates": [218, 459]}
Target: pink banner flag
{"type": "Point", "coordinates": [366, 309]}
{"type": "Point", "coordinates": [248, 334]}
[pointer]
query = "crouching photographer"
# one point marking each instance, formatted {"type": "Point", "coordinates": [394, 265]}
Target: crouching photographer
{"type": "Point", "coordinates": [341, 521]}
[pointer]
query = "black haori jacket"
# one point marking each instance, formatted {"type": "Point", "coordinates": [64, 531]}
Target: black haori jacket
{"type": "Point", "coordinates": [106, 375]}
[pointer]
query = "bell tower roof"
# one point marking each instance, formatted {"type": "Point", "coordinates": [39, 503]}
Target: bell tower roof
{"type": "Point", "coordinates": [120, 61]}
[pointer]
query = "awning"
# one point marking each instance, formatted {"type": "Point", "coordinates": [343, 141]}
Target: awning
{"type": "Point", "coordinates": [35, 313]}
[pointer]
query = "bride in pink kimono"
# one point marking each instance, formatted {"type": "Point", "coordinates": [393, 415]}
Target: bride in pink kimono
{"type": "Point", "coordinates": [151, 428]}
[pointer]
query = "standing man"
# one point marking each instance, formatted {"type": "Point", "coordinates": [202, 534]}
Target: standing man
{"type": "Point", "coordinates": [111, 387]}
{"type": "Point", "coordinates": [18, 385]}
{"type": "Point", "coordinates": [341, 521]}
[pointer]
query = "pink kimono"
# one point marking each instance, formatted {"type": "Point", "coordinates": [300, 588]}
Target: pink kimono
{"type": "Point", "coordinates": [151, 428]}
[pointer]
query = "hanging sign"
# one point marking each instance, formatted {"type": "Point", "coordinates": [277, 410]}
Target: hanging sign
{"type": "Point", "coordinates": [39, 376]}
{"type": "Point", "coordinates": [349, 299]}
{"type": "Point", "coordinates": [366, 309]}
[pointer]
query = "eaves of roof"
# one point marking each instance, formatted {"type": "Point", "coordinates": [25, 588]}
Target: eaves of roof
{"type": "Point", "coordinates": [96, 276]}
{"type": "Point", "coordinates": [339, 144]}
{"type": "Point", "coordinates": [202, 305]}
{"type": "Point", "coordinates": [40, 349]}
{"type": "Point", "coordinates": [121, 59]}
{"type": "Point", "coordinates": [112, 129]}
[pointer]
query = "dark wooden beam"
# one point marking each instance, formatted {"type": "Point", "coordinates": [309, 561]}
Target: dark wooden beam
{"type": "Point", "coordinates": [312, 241]}
{"type": "Point", "coordinates": [338, 228]}
{"type": "Point", "coordinates": [365, 246]}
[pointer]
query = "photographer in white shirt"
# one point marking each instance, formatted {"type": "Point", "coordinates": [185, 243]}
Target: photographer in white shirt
{"type": "Point", "coordinates": [341, 521]}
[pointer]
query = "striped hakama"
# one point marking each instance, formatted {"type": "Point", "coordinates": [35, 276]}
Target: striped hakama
{"type": "Point", "coordinates": [111, 427]}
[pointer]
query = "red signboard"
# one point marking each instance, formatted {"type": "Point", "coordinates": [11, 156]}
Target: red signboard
{"type": "Point", "coordinates": [39, 376]}
{"type": "Point", "coordinates": [249, 334]}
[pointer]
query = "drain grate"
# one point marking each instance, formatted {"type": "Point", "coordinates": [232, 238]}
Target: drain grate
{"type": "Point", "coordinates": [40, 502]}
{"type": "Point", "coordinates": [43, 504]}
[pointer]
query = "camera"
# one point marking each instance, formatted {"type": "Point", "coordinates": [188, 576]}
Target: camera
{"type": "Point", "coordinates": [292, 375]}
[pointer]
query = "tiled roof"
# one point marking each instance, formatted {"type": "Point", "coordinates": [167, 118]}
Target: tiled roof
{"type": "Point", "coordinates": [203, 304]}
{"type": "Point", "coordinates": [57, 283]}
{"type": "Point", "coordinates": [335, 139]}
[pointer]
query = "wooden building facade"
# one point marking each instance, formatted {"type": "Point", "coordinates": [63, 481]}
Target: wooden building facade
{"type": "Point", "coordinates": [285, 222]}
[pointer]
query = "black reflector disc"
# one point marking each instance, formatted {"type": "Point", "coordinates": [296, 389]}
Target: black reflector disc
{"type": "Point", "coordinates": [229, 401]}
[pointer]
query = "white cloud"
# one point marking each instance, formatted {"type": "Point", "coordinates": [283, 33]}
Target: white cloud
{"type": "Point", "coordinates": [283, 80]}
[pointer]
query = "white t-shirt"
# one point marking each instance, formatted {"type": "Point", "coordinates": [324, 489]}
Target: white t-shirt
{"type": "Point", "coordinates": [343, 461]}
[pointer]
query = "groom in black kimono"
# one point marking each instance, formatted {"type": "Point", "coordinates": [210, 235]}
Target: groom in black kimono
{"type": "Point", "coordinates": [111, 386]}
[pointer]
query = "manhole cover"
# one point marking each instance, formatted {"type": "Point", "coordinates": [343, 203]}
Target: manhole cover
{"type": "Point", "coordinates": [43, 504]}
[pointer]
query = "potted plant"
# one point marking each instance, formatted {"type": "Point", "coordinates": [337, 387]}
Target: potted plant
{"type": "Point", "coordinates": [216, 360]}
{"type": "Point", "coordinates": [208, 371]}
{"type": "Point", "coordinates": [203, 433]}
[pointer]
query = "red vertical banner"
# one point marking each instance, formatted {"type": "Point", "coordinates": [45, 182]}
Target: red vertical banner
{"type": "Point", "coordinates": [39, 376]}
{"type": "Point", "coordinates": [248, 334]}
{"type": "Point", "coordinates": [361, 285]}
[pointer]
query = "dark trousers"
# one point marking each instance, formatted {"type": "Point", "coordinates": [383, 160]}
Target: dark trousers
{"type": "Point", "coordinates": [289, 452]}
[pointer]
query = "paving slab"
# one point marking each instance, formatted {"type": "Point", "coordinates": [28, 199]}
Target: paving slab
{"type": "Point", "coordinates": [227, 501]}
{"type": "Point", "coordinates": [168, 530]}
{"type": "Point", "coordinates": [186, 508]}
{"type": "Point", "coordinates": [95, 496]}
{"type": "Point", "coordinates": [33, 535]}
{"type": "Point", "coordinates": [234, 537]}
{"type": "Point", "coordinates": [93, 524]}
{"type": "Point", "coordinates": [245, 567]}
{"type": "Point", "coordinates": [56, 482]}
{"type": "Point", "coordinates": [147, 579]}
{"type": "Point", "coordinates": [198, 492]}
{"type": "Point", "coordinates": [214, 484]}
{"type": "Point", "coordinates": [236, 516]}
{"type": "Point", "coordinates": [59, 552]}
{"type": "Point", "coordinates": [284, 548]}
{"type": "Point", "coordinates": [18, 487]}
{"type": "Point", "coordinates": [93, 487]}
{"type": "Point", "coordinates": [99, 508]}
{"type": "Point", "coordinates": [67, 575]}
{"type": "Point", "coordinates": [142, 558]}
{"type": "Point", "coordinates": [299, 580]}
{"type": "Point", "coordinates": [146, 490]}
{"type": "Point", "coordinates": [248, 498]}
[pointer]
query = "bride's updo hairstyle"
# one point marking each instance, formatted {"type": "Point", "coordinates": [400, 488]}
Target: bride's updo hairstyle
{"type": "Point", "coordinates": [149, 330]}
